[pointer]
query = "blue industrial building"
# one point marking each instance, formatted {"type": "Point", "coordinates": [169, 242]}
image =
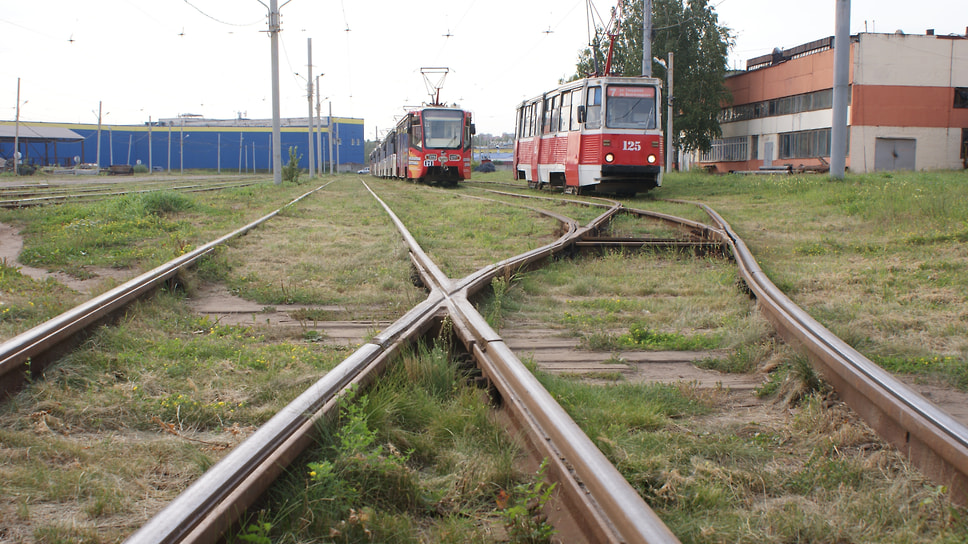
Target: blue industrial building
{"type": "Point", "coordinates": [242, 145]}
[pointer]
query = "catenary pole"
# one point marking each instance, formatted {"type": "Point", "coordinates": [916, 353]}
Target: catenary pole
{"type": "Point", "coordinates": [670, 147]}
{"type": "Point", "coordinates": [329, 125]}
{"type": "Point", "coordinates": [319, 131]}
{"type": "Point", "coordinates": [16, 135]}
{"type": "Point", "coordinates": [309, 99]}
{"type": "Point", "coordinates": [98, 158]}
{"type": "Point", "coordinates": [151, 165]}
{"type": "Point", "coordinates": [276, 129]}
{"type": "Point", "coordinates": [838, 132]}
{"type": "Point", "coordinates": [646, 38]}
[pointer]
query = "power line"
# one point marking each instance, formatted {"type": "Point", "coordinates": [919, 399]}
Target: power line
{"type": "Point", "coordinates": [217, 20]}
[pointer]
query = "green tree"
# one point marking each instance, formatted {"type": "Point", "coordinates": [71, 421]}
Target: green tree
{"type": "Point", "coordinates": [691, 30]}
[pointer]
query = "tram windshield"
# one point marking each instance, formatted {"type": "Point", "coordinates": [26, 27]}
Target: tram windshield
{"type": "Point", "coordinates": [442, 128]}
{"type": "Point", "coordinates": [629, 106]}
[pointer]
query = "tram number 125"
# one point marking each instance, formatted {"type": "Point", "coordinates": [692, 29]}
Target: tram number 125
{"type": "Point", "coordinates": [629, 145]}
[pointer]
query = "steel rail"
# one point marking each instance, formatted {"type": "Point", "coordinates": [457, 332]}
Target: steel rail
{"type": "Point", "coordinates": [934, 441]}
{"type": "Point", "coordinates": [213, 503]}
{"type": "Point", "coordinates": [209, 507]}
{"type": "Point", "coordinates": [608, 508]}
{"type": "Point", "coordinates": [95, 196]}
{"type": "Point", "coordinates": [17, 353]}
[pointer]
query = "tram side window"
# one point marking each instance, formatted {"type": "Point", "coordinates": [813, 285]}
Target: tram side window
{"type": "Point", "coordinates": [565, 116]}
{"type": "Point", "coordinates": [528, 121]}
{"type": "Point", "coordinates": [593, 108]}
{"type": "Point", "coordinates": [416, 139]}
{"type": "Point", "coordinates": [550, 116]}
{"type": "Point", "coordinates": [575, 100]}
{"type": "Point", "coordinates": [534, 118]}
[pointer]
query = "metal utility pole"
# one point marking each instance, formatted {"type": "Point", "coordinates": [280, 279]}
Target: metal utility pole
{"type": "Point", "coordinates": [181, 147]}
{"type": "Point", "coordinates": [646, 38]}
{"type": "Point", "coordinates": [319, 131]}
{"type": "Point", "coordinates": [16, 135]}
{"type": "Point", "coordinates": [670, 148]}
{"type": "Point", "coordinates": [329, 125]}
{"type": "Point", "coordinates": [151, 166]}
{"type": "Point", "coordinates": [98, 159]}
{"type": "Point", "coordinates": [276, 129]}
{"type": "Point", "coordinates": [838, 131]}
{"type": "Point", "coordinates": [309, 98]}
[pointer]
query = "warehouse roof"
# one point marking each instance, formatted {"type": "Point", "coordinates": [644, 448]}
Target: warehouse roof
{"type": "Point", "coordinates": [41, 133]}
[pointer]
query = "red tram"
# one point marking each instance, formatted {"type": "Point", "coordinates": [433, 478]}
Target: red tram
{"type": "Point", "coordinates": [431, 144]}
{"type": "Point", "coordinates": [595, 134]}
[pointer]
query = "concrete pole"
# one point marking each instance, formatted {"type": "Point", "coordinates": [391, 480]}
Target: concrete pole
{"type": "Point", "coordinates": [646, 38]}
{"type": "Point", "coordinates": [98, 159]}
{"type": "Point", "coordinates": [838, 132]}
{"type": "Point", "coordinates": [276, 129]}
{"type": "Point", "coordinates": [151, 166]}
{"type": "Point", "coordinates": [670, 148]}
{"type": "Point", "coordinates": [309, 99]}
{"type": "Point", "coordinates": [329, 125]}
{"type": "Point", "coordinates": [16, 135]}
{"type": "Point", "coordinates": [319, 131]}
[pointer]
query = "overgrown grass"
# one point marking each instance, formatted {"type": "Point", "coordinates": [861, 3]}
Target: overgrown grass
{"type": "Point", "coordinates": [641, 300]}
{"type": "Point", "coordinates": [430, 465]}
{"type": "Point", "coordinates": [814, 479]}
{"type": "Point", "coordinates": [462, 235]}
{"type": "Point", "coordinates": [337, 247]}
{"type": "Point", "coordinates": [416, 459]}
{"type": "Point", "coordinates": [876, 258]}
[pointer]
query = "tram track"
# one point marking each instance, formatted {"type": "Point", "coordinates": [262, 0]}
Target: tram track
{"type": "Point", "coordinates": [612, 510]}
{"type": "Point", "coordinates": [22, 196]}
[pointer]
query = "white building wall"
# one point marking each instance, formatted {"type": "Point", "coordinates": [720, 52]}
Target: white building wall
{"type": "Point", "coordinates": [938, 148]}
{"type": "Point", "coordinates": [924, 61]}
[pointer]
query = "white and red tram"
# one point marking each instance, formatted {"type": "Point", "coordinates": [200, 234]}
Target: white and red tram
{"type": "Point", "coordinates": [431, 144]}
{"type": "Point", "coordinates": [595, 134]}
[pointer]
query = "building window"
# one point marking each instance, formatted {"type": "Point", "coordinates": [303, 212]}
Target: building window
{"type": "Point", "coordinates": [805, 144]}
{"type": "Point", "coordinates": [961, 97]}
{"type": "Point", "coordinates": [754, 147]}
{"type": "Point", "coordinates": [787, 105]}
{"type": "Point", "coordinates": [726, 150]}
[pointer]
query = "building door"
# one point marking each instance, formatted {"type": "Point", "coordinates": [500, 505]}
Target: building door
{"type": "Point", "coordinates": [767, 154]}
{"type": "Point", "coordinates": [894, 154]}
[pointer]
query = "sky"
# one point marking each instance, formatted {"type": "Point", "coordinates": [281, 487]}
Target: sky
{"type": "Point", "coordinates": [141, 59]}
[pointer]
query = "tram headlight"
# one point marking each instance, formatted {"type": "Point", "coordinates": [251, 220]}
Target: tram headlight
{"type": "Point", "coordinates": [609, 157]}
{"type": "Point", "coordinates": [651, 159]}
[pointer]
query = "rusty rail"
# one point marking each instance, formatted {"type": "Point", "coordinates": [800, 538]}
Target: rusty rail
{"type": "Point", "coordinates": [934, 441]}
{"type": "Point", "coordinates": [22, 355]}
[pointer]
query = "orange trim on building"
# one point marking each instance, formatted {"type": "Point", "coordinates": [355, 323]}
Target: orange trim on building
{"type": "Point", "coordinates": [905, 106]}
{"type": "Point", "coordinates": [802, 75]}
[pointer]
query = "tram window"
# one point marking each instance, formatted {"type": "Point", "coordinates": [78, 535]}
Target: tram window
{"type": "Point", "coordinates": [443, 129]}
{"type": "Point", "coordinates": [575, 100]}
{"type": "Point", "coordinates": [565, 117]}
{"type": "Point", "coordinates": [534, 118]}
{"type": "Point", "coordinates": [630, 107]}
{"type": "Point", "coordinates": [593, 108]}
{"type": "Point", "coordinates": [551, 115]}
{"type": "Point", "coordinates": [416, 138]}
{"type": "Point", "coordinates": [532, 123]}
